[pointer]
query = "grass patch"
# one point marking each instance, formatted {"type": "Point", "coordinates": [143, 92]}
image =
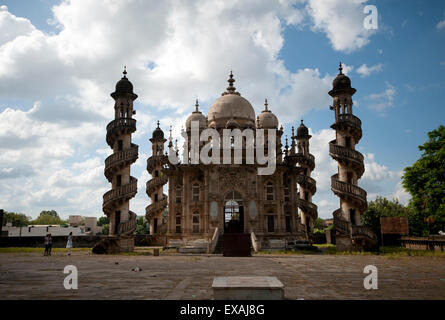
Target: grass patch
{"type": "Point", "coordinates": [286, 252]}
{"type": "Point", "coordinates": [390, 252]}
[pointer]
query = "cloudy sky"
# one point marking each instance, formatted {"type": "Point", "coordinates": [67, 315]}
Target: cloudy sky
{"type": "Point", "coordinates": [59, 61]}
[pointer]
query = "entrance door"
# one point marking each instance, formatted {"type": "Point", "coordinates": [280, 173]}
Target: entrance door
{"type": "Point", "coordinates": [270, 224]}
{"type": "Point", "coordinates": [352, 216]}
{"type": "Point", "coordinates": [233, 213]}
{"type": "Point", "coordinates": [117, 221]}
{"type": "Point", "coordinates": [155, 225]}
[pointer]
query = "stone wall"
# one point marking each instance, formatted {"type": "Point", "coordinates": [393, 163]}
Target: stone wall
{"type": "Point", "coordinates": [436, 243]}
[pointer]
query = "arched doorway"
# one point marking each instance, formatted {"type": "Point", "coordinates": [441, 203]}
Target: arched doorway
{"type": "Point", "coordinates": [233, 213]}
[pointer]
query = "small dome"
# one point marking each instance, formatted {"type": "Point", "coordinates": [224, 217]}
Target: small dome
{"type": "Point", "coordinates": [158, 134]}
{"type": "Point", "coordinates": [231, 106]}
{"type": "Point", "coordinates": [123, 86]}
{"type": "Point", "coordinates": [341, 82]}
{"type": "Point", "coordinates": [266, 119]}
{"type": "Point", "coordinates": [196, 116]}
{"type": "Point", "coordinates": [302, 130]}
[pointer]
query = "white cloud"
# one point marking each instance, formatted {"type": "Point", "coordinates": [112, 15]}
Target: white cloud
{"type": "Point", "coordinates": [440, 25]}
{"type": "Point", "coordinates": [375, 171]}
{"type": "Point", "coordinates": [383, 100]}
{"type": "Point", "coordinates": [53, 145]}
{"type": "Point", "coordinates": [342, 21]}
{"type": "Point", "coordinates": [366, 71]}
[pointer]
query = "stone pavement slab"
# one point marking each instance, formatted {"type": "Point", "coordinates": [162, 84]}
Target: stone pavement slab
{"type": "Point", "coordinates": [32, 276]}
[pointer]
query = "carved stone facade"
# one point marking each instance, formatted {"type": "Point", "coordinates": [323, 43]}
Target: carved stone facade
{"type": "Point", "coordinates": [205, 200]}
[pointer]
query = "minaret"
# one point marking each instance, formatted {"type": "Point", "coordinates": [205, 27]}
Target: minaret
{"type": "Point", "coordinates": [116, 202]}
{"type": "Point", "coordinates": [307, 184]}
{"type": "Point", "coordinates": [155, 185]}
{"type": "Point", "coordinates": [350, 234]}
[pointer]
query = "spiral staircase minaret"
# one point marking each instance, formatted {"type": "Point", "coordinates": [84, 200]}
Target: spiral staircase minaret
{"type": "Point", "coordinates": [298, 155]}
{"type": "Point", "coordinates": [116, 202]}
{"type": "Point", "coordinates": [155, 185]}
{"type": "Point", "coordinates": [350, 233]}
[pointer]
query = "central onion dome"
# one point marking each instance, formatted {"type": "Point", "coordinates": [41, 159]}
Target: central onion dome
{"type": "Point", "coordinates": [266, 119]}
{"type": "Point", "coordinates": [196, 116]}
{"type": "Point", "coordinates": [231, 109]}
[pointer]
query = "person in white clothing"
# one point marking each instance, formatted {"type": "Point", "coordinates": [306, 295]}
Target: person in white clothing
{"type": "Point", "coordinates": [69, 243]}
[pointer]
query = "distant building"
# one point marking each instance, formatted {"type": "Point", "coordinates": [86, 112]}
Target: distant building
{"type": "Point", "coordinates": [75, 220]}
{"type": "Point", "coordinates": [43, 230]}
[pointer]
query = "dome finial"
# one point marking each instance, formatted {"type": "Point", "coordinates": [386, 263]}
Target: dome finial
{"type": "Point", "coordinates": [302, 121]}
{"type": "Point", "coordinates": [197, 106]}
{"type": "Point", "coordinates": [340, 68]}
{"type": "Point", "coordinates": [125, 71]}
{"type": "Point", "coordinates": [231, 88]}
{"type": "Point", "coordinates": [158, 123]}
{"type": "Point", "coordinates": [266, 104]}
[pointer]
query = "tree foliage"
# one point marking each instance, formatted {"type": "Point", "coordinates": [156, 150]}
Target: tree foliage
{"type": "Point", "coordinates": [48, 217]}
{"type": "Point", "coordinates": [383, 207]}
{"type": "Point", "coordinates": [141, 226]}
{"type": "Point", "coordinates": [425, 181]}
{"type": "Point", "coordinates": [17, 219]}
{"type": "Point", "coordinates": [103, 220]}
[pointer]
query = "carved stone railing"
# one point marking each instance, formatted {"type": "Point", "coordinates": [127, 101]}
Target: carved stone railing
{"type": "Point", "coordinates": [125, 191]}
{"type": "Point", "coordinates": [129, 226]}
{"type": "Point", "coordinates": [117, 125]}
{"type": "Point", "coordinates": [347, 188]}
{"type": "Point", "coordinates": [155, 160]}
{"type": "Point", "coordinates": [341, 225]}
{"type": "Point", "coordinates": [154, 183]}
{"type": "Point", "coordinates": [350, 118]}
{"type": "Point", "coordinates": [307, 182]}
{"type": "Point", "coordinates": [363, 231]}
{"type": "Point", "coordinates": [337, 150]}
{"type": "Point", "coordinates": [156, 207]}
{"type": "Point", "coordinates": [214, 241]}
{"type": "Point", "coordinates": [256, 245]}
{"type": "Point", "coordinates": [351, 121]}
{"type": "Point", "coordinates": [121, 157]}
{"type": "Point", "coordinates": [307, 207]}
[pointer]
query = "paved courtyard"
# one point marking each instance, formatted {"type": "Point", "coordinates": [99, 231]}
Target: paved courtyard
{"type": "Point", "coordinates": [32, 276]}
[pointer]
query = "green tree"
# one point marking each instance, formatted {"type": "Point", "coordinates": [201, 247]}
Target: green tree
{"type": "Point", "coordinates": [425, 181]}
{"type": "Point", "coordinates": [17, 219]}
{"type": "Point", "coordinates": [382, 207]}
{"type": "Point", "coordinates": [48, 217]}
{"type": "Point", "coordinates": [103, 220]}
{"type": "Point", "coordinates": [141, 225]}
{"type": "Point", "coordinates": [105, 229]}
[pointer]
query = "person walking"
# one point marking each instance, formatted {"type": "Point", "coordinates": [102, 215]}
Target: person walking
{"type": "Point", "coordinates": [69, 243]}
{"type": "Point", "coordinates": [50, 243]}
{"type": "Point", "coordinates": [46, 244]}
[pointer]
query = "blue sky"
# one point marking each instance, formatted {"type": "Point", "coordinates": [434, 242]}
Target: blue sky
{"type": "Point", "coordinates": [58, 67]}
